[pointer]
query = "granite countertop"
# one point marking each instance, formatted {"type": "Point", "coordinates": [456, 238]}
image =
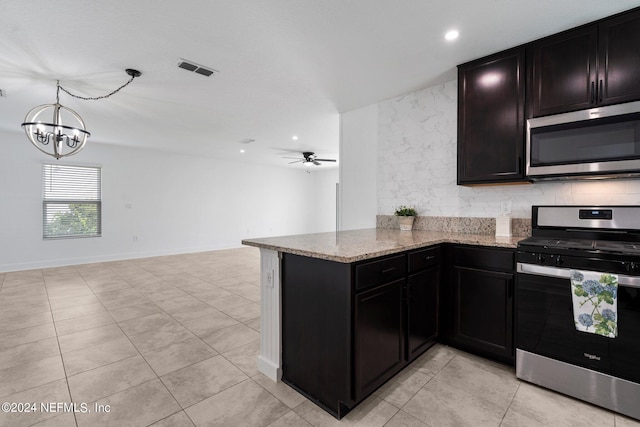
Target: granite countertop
{"type": "Point", "coordinates": [357, 245]}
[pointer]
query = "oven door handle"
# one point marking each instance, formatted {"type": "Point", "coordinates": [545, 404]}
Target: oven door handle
{"type": "Point", "coordinates": [565, 273]}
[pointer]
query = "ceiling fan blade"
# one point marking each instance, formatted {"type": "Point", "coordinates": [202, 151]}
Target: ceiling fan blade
{"type": "Point", "coordinates": [317, 163]}
{"type": "Point", "coordinates": [297, 161]}
{"type": "Point", "coordinates": [326, 160]}
{"type": "Point", "coordinates": [297, 158]}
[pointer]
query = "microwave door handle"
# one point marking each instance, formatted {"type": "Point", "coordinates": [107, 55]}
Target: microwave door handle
{"type": "Point", "coordinates": [593, 92]}
{"type": "Point", "coordinates": [565, 273]}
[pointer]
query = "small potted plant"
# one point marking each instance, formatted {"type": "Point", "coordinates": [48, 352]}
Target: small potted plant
{"type": "Point", "coordinates": [405, 217]}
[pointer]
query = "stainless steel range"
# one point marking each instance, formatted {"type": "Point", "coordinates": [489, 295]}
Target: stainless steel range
{"type": "Point", "coordinates": [578, 304]}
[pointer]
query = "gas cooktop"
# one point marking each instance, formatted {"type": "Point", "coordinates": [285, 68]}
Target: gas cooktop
{"type": "Point", "coordinates": [572, 230]}
{"type": "Point", "coordinates": [601, 246]}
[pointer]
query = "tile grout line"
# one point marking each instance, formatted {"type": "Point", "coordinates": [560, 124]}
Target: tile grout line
{"type": "Point", "coordinates": [123, 333]}
{"type": "Point", "coordinates": [480, 397]}
{"type": "Point", "coordinates": [184, 409]}
{"type": "Point", "coordinates": [428, 381]}
{"type": "Point", "coordinates": [83, 277]}
{"type": "Point", "coordinates": [64, 369]}
{"type": "Point", "coordinates": [513, 398]}
{"type": "Point", "coordinates": [162, 310]}
{"type": "Point", "coordinates": [136, 348]}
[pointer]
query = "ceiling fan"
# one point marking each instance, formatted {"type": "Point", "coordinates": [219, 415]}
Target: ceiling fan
{"type": "Point", "coordinates": [309, 157]}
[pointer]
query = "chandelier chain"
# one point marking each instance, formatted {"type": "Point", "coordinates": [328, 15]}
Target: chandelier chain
{"type": "Point", "coordinates": [90, 98]}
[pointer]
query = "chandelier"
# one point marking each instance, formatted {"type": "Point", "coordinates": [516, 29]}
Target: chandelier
{"type": "Point", "coordinates": [66, 133]}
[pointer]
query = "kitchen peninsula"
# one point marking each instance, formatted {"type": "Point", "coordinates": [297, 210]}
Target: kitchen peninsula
{"type": "Point", "coordinates": [344, 312]}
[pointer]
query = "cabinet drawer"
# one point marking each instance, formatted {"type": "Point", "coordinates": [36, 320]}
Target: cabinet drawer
{"type": "Point", "coordinates": [484, 258]}
{"type": "Point", "coordinates": [424, 258]}
{"type": "Point", "coordinates": [380, 271]}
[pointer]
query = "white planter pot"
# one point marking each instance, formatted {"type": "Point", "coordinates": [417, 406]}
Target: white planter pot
{"type": "Point", "coordinates": [406, 223]}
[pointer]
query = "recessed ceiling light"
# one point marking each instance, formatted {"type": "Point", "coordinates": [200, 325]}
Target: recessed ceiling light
{"type": "Point", "coordinates": [242, 151]}
{"type": "Point", "coordinates": [452, 35]}
{"type": "Point", "coordinates": [294, 137]}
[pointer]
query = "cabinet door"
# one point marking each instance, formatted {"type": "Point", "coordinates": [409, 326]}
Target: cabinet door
{"type": "Point", "coordinates": [483, 311]}
{"type": "Point", "coordinates": [378, 336]}
{"type": "Point", "coordinates": [316, 330]}
{"type": "Point", "coordinates": [563, 74]}
{"type": "Point", "coordinates": [422, 311]}
{"type": "Point", "coordinates": [491, 119]}
{"type": "Point", "coordinates": [619, 59]}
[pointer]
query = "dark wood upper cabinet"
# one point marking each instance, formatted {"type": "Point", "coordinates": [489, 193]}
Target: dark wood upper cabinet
{"type": "Point", "coordinates": [491, 105]}
{"type": "Point", "coordinates": [563, 72]}
{"type": "Point", "coordinates": [619, 59]}
{"type": "Point", "coordinates": [590, 66]}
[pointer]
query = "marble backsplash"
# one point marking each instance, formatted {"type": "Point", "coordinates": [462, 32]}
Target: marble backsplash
{"type": "Point", "coordinates": [519, 226]}
{"type": "Point", "coordinates": [417, 164]}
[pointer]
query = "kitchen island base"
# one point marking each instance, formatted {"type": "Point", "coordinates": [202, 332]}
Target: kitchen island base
{"type": "Point", "coordinates": [344, 326]}
{"type": "Point", "coordinates": [342, 313]}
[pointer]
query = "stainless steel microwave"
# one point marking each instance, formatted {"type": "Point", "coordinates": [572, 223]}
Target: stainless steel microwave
{"type": "Point", "coordinates": [599, 142]}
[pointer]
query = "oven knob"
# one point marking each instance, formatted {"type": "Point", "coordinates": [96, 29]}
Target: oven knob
{"type": "Point", "coordinates": [559, 261]}
{"type": "Point", "coordinates": [541, 259]}
{"type": "Point", "coordinates": [632, 267]}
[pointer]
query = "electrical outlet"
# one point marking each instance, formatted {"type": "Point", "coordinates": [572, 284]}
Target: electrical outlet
{"type": "Point", "coordinates": [505, 208]}
{"type": "Point", "coordinates": [269, 279]}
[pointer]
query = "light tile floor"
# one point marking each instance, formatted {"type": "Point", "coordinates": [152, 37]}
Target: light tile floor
{"type": "Point", "coordinates": [173, 341]}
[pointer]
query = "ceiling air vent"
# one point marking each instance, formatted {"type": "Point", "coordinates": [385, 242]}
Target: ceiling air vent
{"type": "Point", "coordinates": [191, 66]}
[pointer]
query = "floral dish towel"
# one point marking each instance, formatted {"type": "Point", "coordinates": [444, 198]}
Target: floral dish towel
{"type": "Point", "coordinates": [595, 302]}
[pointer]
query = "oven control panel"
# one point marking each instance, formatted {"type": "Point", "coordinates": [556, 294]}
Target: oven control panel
{"type": "Point", "coordinates": [633, 267]}
{"type": "Point", "coordinates": [595, 214]}
{"type": "Point", "coordinates": [540, 258]}
{"type": "Point", "coordinates": [590, 263]}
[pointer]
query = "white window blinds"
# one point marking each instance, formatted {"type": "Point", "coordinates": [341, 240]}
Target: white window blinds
{"type": "Point", "coordinates": [71, 201]}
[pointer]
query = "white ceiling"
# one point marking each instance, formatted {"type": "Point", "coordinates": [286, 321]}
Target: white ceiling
{"type": "Point", "coordinates": [287, 67]}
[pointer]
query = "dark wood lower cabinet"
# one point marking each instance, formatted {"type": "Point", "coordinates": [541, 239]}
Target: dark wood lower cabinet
{"type": "Point", "coordinates": [480, 301]}
{"type": "Point", "coordinates": [422, 311]}
{"type": "Point", "coordinates": [316, 330]}
{"type": "Point", "coordinates": [483, 315]}
{"type": "Point", "coordinates": [348, 328]}
{"type": "Point", "coordinates": [378, 337]}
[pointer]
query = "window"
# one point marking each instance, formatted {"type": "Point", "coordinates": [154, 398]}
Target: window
{"type": "Point", "coordinates": [71, 201]}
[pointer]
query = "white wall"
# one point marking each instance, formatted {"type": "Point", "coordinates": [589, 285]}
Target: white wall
{"type": "Point", "coordinates": [358, 168]}
{"type": "Point", "coordinates": [324, 196]}
{"type": "Point", "coordinates": [178, 204]}
{"type": "Point", "coordinates": [416, 164]}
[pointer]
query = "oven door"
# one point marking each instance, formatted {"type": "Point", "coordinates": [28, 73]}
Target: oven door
{"type": "Point", "coordinates": [545, 323]}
